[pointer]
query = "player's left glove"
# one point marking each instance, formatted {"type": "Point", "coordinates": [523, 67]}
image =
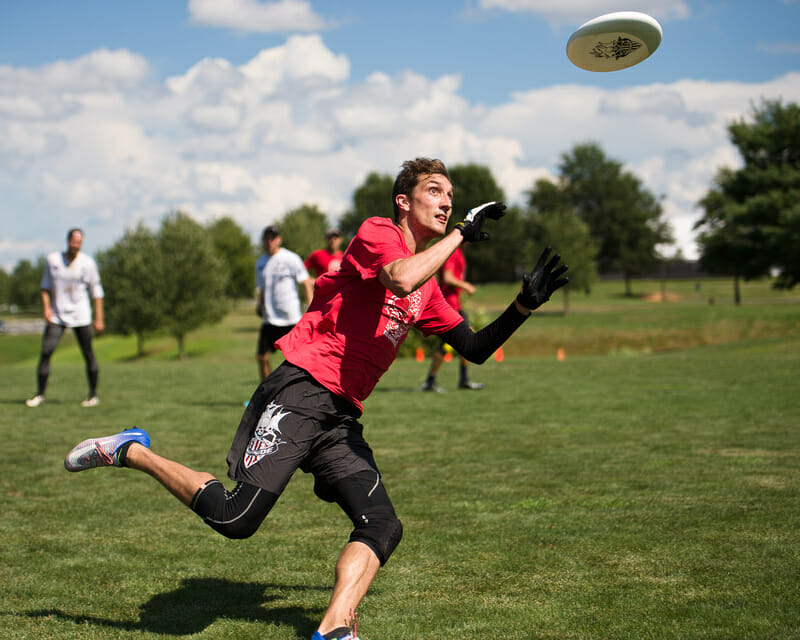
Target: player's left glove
{"type": "Point", "coordinates": [470, 227]}
{"type": "Point", "coordinates": [542, 281]}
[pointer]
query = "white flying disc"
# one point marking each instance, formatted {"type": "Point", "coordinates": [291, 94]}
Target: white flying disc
{"type": "Point", "coordinates": [614, 41]}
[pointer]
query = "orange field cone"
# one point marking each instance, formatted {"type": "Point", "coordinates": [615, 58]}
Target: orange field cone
{"type": "Point", "coordinates": [561, 355]}
{"type": "Point", "coordinates": [448, 357]}
{"type": "Point", "coordinates": [420, 354]}
{"type": "Point", "coordinates": [498, 355]}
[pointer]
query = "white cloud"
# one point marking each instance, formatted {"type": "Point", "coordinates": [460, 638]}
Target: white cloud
{"type": "Point", "coordinates": [254, 16]}
{"type": "Point", "coordinates": [289, 127]}
{"type": "Point", "coordinates": [303, 62]}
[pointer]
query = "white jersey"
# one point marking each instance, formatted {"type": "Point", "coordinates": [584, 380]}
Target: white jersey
{"type": "Point", "coordinates": [72, 286]}
{"type": "Point", "coordinates": [278, 276]}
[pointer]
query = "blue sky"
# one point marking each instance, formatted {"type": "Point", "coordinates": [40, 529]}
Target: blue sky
{"type": "Point", "coordinates": [116, 113]}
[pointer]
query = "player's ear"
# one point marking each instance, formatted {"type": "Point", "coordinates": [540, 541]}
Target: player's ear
{"type": "Point", "coordinates": [402, 201]}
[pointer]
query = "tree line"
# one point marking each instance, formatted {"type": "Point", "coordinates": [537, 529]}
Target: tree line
{"type": "Point", "coordinates": [599, 216]}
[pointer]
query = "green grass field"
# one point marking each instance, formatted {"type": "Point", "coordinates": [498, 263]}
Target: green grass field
{"type": "Point", "coordinates": [646, 486]}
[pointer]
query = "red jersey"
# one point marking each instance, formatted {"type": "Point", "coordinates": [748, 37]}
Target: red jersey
{"type": "Point", "coordinates": [457, 265]}
{"type": "Point", "coordinates": [353, 328]}
{"type": "Point", "coordinates": [322, 260]}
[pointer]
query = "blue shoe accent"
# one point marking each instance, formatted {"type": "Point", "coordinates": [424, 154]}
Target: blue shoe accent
{"type": "Point", "coordinates": [102, 452]}
{"type": "Point", "coordinates": [317, 636]}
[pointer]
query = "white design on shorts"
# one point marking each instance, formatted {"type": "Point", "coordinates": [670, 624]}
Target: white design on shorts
{"type": "Point", "coordinates": [267, 436]}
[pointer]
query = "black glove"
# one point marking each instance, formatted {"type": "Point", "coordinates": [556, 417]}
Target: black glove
{"type": "Point", "coordinates": [470, 227]}
{"type": "Point", "coordinates": [542, 281]}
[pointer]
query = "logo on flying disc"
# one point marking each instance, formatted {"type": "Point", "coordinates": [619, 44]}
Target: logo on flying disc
{"type": "Point", "coordinates": [616, 49]}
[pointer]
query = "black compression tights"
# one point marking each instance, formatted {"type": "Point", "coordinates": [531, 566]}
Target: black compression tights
{"type": "Point", "coordinates": [234, 514]}
{"type": "Point", "coordinates": [52, 335]}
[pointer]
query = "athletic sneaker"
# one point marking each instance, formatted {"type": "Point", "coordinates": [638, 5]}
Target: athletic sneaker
{"type": "Point", "coordinates": [103, 452]}
{"type": "Point", "coordinates": [91, 402]}
{"type": "Point", "coordinates": [318, 636]}
{"type": "Point", "coordinates": [475, 386]}
{"type": "Point", "coordinates": [432, 386]}
{"type": "Point", "coordinates": [35, 401]}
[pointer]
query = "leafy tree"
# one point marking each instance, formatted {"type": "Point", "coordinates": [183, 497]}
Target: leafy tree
{"type": "Point", "coordinates": [373, 198]}
{"type": "Point", "coordinates": [194, 277]}
{"type": "Point", "coordinates": [549, 223]}
{"type": "Point", "coordinates": [236, 250]}
{"type": "Point", "coordinates": [5, 287]}
{"type": "Point", "coordinates": [751, 223]}
{"type": "Point", "coordinates": [303, 229]}
{"type": "Point", "coordinates": [503, 257]}
{"type": "Point", "coordinates": [26, 281]}
{"type": "Point", "coordinates": [624, 218]}
{"type": "Point", "coordinates": [132, 271]}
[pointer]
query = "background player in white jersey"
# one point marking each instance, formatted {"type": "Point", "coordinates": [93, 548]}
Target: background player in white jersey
{"type": "Point", "coordinates": [278, 272]}
{"type": "Point", "coordinates": [305, 415]}
{"type": "Point", "coordinates": [70, 287]}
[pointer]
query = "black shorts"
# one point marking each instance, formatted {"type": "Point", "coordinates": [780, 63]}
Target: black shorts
{"type": "Point", "coordinates": [269, 335]}
{"type": "Point", "coordinates": [292, 422]}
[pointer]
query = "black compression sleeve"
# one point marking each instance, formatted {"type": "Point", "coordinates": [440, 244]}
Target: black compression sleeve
{"type": "Point", "coordinates": [478, 346]}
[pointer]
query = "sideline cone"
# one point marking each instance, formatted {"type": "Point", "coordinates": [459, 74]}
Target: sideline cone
{"type": "Point", "coordinates": [560, 354]}
{"type": "Point", "coordinates": [498, 355]}
{"type": "Point", "coordinates": [420, 354]}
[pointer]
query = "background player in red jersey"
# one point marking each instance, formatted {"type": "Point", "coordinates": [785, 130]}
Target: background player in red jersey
{"type": "Point", "coordinates": [329, 258]}
{"type": "Point", "coordinates": [452, 283]}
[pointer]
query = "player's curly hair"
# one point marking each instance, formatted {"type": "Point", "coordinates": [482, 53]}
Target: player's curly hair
{"type": "Point", "coordinates": [410, 175]}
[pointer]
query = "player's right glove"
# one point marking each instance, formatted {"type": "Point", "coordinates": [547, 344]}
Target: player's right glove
{"type": "Point", "coordinates": [470, 227]}
{"type": "Point", "coordinates": [542, 281]}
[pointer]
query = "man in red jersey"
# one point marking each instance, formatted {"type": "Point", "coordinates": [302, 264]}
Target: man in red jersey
{"type": "Point", "coordinates": [329, 258]}
{"type": "Point", "coordinates": [305, 414]}
{"type": "Point", "coordinates": [452, 283]}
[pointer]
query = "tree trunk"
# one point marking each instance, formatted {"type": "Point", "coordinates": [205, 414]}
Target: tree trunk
{"type": "Point", "coordinates": [737, 293]}
{"type": "Point", "coordinates": [139, 344]}
{"type": "Point", "coordinates": [181, 350]}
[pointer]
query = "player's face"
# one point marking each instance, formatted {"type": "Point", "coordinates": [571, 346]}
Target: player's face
{"type": "Point", "coordinates": [74, 243]}
{"type": "Point", "coordinates": [431, 205]}
{"type": "Point", "coordinates": [272, 244]}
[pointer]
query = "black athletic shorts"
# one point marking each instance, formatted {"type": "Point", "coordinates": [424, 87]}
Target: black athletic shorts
{"type": "Point", "coordinates": [294, 422]}
{"type": "Point", "coordinates": [269, 335]}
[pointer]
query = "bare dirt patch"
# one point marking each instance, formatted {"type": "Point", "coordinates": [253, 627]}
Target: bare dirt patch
{"type": "Point", "coordinates": [659, 296]}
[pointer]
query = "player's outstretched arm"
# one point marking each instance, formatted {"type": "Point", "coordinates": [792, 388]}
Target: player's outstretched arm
{"type": "Point", "coordinates": [537, 287]}
{"type": "Point", "coordinates": [406, 275]}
